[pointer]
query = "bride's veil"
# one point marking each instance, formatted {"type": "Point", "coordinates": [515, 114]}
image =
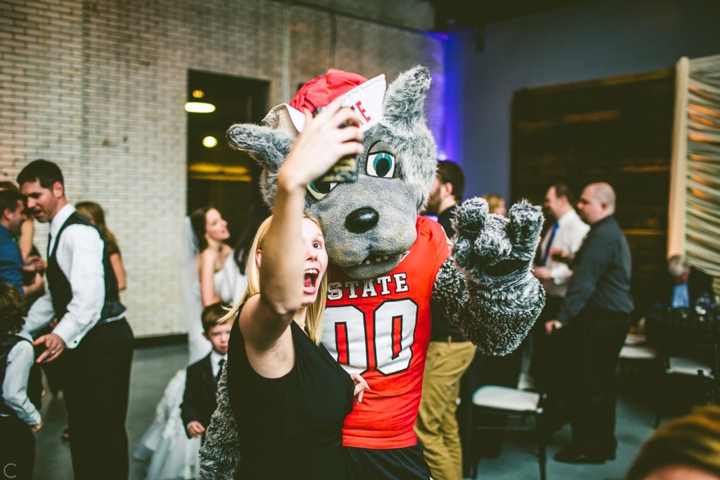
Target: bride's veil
{"type": "Point", "coordinates": [192, 302]}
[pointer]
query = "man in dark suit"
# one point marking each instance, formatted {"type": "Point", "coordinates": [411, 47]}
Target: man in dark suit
{"type": "Point", "coordinates": [686, 284]}
{"type": "Point", "coordinates": [199, 400]}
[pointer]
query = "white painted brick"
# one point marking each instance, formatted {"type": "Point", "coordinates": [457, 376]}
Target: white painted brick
{"type": "Point", "coordinates": [67, 86]}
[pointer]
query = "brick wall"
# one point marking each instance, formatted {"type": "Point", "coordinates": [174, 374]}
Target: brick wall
{"type": "Point", "coordinates": [41, 89]}
{"type": "Point", "coordinates": [99, 87]}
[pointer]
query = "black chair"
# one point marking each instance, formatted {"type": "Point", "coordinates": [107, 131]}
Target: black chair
{"type": "Point", "coordinates": [510, 403]}
{"type": "Point", "coordinates": [689, 339]}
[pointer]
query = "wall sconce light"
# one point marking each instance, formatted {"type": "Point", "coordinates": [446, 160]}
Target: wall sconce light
{"type": "Point", "coordinates": [199, 107]}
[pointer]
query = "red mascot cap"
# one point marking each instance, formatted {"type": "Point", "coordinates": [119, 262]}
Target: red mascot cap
{"type": "Point", "coordinates": [320, 91]}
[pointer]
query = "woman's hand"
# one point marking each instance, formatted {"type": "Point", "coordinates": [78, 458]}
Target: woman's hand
{"type": "Point", "coordinates": [360, 386]}
{"type": "Point", "coordinates": [322, 143]}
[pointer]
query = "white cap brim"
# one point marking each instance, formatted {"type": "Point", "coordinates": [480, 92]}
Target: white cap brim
{"type": "Point", "coordinates": [365, 99]}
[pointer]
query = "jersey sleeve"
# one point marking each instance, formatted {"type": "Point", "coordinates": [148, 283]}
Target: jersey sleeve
{"type": "Point", "coordinates": [438, 244]}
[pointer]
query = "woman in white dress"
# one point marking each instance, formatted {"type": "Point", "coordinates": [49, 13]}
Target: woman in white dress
{"type": "Point", "coordinates": [219, 276]}
{"type": "Point", "coordinates": [209, 275]}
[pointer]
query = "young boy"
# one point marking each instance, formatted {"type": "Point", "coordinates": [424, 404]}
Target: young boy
{"type": "Point", "coordinates": [18, 416]}
{"type": "Point", "coordinates": [199, 401]}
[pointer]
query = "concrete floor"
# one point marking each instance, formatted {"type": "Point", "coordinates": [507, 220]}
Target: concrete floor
{"type": "Point", "coordinates": [519, 461]}
{"type": "Point", "coordinates": [153, 368]}
{"type": "Point", "coordinates": [151, 371]}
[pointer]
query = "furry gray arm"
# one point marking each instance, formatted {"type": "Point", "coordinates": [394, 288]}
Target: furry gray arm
{"type": "Point", "coordinates": [220, 453]}
{"type": "Point", "coordinates": [487, 288]}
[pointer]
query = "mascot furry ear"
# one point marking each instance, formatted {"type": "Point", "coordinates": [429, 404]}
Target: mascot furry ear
{"type": "Point", "coordinates": [389, 263]}
{"type": "Point", "coordinates": [388, 199]}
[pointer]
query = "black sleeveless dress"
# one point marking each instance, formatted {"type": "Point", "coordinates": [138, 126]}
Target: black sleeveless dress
{"type": "Point", "coordinates": [290, 427]}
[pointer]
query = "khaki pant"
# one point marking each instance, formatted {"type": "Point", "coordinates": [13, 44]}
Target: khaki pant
{"type": "Point", "coordinates": [436, 426]}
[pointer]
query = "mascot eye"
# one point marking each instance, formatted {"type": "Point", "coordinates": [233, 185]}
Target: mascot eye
{"type": "Point", "coordinates": [380, 164]}
{"type": "Point", "coordinates": [319, 189]}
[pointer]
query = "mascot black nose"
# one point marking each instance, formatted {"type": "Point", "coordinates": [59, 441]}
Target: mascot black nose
{"type": "Point", "coordinates": [361, 220]}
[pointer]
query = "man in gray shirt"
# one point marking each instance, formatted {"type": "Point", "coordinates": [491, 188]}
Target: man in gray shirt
{"type": "Point", "coordinates": [596, 313]}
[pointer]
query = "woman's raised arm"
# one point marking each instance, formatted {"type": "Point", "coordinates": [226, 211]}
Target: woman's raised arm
{"type": "Point", "coordinates": [321, 144]}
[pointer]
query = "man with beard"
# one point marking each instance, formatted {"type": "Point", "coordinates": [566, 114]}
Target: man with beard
{"type": "Point", "coordinates": [449, 353]}
{"type": "Point", "coordinates": [92, 337]}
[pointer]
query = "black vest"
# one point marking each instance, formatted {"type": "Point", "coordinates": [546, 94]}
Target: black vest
{"type": "Point", "coordinates": [60, 288]}
{"type": "Point", "coordinates": [6, 344]}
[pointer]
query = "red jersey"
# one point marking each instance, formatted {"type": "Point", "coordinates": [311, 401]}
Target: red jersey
{"type": "Point", "coordinates": [380, 328]}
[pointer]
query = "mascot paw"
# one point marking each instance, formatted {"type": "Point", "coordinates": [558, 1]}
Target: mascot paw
{"type": "Point", "coordinates": [490, 247]}
{"type": "Point", "coordinates": [490, 292]}
{"type": "Point", "coordinates": [524, 229]}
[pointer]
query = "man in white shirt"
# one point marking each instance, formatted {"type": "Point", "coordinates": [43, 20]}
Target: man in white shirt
{"type": "Point", "coordinates": [565, 234]}
{"type": "Point", "coordinates": [92, 341]}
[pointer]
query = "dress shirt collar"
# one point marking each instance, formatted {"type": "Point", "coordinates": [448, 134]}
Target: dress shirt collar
{"type": "Point", "coordinates": [25, 334]}
{"type": "Point", "coordinates": [215, 358]}
{"type": "Point", "coordinates": [60, 218]}
{"type": "Point", "coordinates": [568, 217]}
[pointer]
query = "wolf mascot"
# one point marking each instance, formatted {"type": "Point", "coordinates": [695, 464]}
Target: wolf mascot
{"type": "Point", "coordinates": [388, 264]}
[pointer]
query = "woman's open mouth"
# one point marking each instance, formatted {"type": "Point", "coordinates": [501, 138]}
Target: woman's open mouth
{"type": "Point", "coordinates": [311, 278]}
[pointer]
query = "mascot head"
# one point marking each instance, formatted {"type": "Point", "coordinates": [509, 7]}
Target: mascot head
{"type": "Point", "coordinates": [370, 223]}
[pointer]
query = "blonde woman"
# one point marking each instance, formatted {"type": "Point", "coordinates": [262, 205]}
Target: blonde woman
{"type": "Point", "coordinates": [288, 395]}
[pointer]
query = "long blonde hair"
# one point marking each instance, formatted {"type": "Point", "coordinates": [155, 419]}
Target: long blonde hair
{"type": "Point", "coordinates": [314, 316]}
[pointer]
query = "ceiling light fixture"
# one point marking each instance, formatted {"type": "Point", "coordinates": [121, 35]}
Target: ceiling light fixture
{"type": "Point", "coordinates": [210, 141]}
{"type": "Point", "coordinates": [199, 107]}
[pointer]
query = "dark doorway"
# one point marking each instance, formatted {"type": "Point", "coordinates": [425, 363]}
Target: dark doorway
{"type": "Point", "coordinates": [219, 175]}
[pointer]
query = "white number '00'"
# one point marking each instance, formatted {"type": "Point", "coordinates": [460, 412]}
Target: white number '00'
{"type": "Point", "coordinates": [394, 322]}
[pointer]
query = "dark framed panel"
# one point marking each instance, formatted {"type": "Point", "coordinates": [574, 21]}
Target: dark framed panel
{"type": "Point", "coordinates": [617, 130]}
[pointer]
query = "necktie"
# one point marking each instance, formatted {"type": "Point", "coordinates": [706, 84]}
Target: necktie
{"type": "Point", "coordinates": [549, 244]}
{"type": "Point", "coordinates": [48, 245]}
{"type": "Point", "coordinates": [220, 363]}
